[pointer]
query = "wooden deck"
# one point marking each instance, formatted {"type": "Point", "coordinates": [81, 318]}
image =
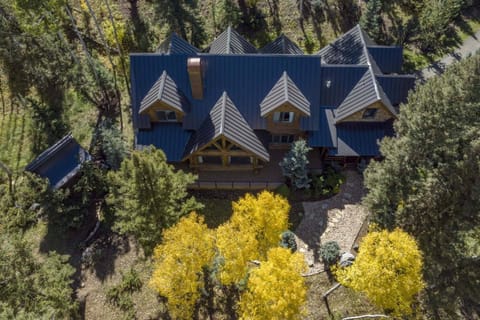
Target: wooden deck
{"type": "Point", "coordinates": [268, 177]}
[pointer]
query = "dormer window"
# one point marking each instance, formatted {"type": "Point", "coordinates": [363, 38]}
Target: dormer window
{"type": "Point", "coordinates": [285, 117]}
{"type": "Point", "coordinates": [369, 113]}
{"type": "Point", "coordinates": [166, 115]}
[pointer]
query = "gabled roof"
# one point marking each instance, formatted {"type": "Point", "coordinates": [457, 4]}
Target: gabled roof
{"type": "Point", "coordinates": [231, 42]}
{"type": "Point", "coordinates": [284, 91]}
{"type": "Point", "coordinates": [176, 45]}
{"type": "Point", "coordinates": [282, 45]}
{"type": "Point", "coordinates": [164, 90]}
{"type": "Point", "coordinates": [60, 162]}
{"type": "Point", "coordinates": [348, 49]}
{"type": "Point", "coordinates": [225, 120]}
{"type": "Point", "coordinates": [366, 92]}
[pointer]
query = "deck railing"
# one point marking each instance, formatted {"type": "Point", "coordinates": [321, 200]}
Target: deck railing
{"type": "Point", "coordinates": [236, 185]}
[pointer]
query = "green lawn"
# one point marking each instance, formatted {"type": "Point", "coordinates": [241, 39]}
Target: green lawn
{"type": "Point", "coordinates": [15, 138]}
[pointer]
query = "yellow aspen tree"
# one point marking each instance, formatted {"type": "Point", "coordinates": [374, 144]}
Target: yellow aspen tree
{"type": "Point", "coordinates": [388, 269]}
{"type": "Point", "coordinates": [276, 290]}
{"type": "Point", "coordinates": [255, 227]}
{"type": "Point", "coordinates": [237, 246]}
{"type": "Point", "coordinates": [187, 247]}
{"type": "Point", "coordinates": [266, 214]}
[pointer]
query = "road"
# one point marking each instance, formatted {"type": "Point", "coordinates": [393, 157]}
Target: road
{"type": "Point", "coordinates": [469, 46]}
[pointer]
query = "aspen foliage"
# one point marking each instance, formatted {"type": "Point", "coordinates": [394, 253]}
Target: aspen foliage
{"type": "Point", "coordinates": [186, 249]}
{"type": "Point", "coordinates": [266, 215]}
{"type": "Point", "coordinates": [237, 245]}
{"type": "Point", "coordinates": [388, 269]}
{"type": "Point", "coordinates": [255, 227]}
{"type": "Point", "coordinates": [266, 296]}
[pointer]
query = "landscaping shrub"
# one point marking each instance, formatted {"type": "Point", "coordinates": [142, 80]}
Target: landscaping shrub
{"type": "Point", "coordinates": [120, 295]}
{"type": "Point", "coordinates": [283, 190]}
{"type": "Point", "coordinates": [328, 183]}
{"type": "Point", "coordinates": [288, 240]}
{"type": "Point", "coordinates": [329, 253]}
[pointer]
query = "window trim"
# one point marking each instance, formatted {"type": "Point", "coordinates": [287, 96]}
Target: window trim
{"type": "Point", "coordinates": [283, 138]}
{"type": "Point", "coordinates": [369, 113]}
{"type": "Point", "coordinates": [281, 116]}
{"type": "Point", "coordinates": [166, 113]}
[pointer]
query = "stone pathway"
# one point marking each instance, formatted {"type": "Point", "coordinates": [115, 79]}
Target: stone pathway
{"type": "Point", "coordinates": [335, 219]}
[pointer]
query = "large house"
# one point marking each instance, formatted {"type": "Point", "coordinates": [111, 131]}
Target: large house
{"type": "Point", "coordinates": [231, 106]}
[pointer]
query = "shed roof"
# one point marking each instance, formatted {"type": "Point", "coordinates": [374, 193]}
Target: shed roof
{"type": "Point", "coordinates": [360, 139]}
{"type": "Point", "coordinates": [231, 42]}
{"type": "Point", "coordinates": [388, 58]}
{"type": "Point", "coordinates": [281, 45]}
{"type": "Point", "coordinates": [60, 162]}
{"type": "Point", "coordinates": [164, 90]}
{"type": "Point", "coordinates": [284, 91]}
{"type": "Point", "coordinates": [225, 120]}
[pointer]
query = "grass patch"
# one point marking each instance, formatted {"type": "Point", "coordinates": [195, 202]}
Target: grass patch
{"type": "Point", "coordinates": [15, 146]}
{"type": "Point", "coordinates": [216, 211]}
{"type": "Point", "coordinates": [343, 301]}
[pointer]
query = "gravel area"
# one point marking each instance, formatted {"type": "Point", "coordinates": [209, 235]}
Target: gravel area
{"type": "Point", "coordinates": [338, 218]}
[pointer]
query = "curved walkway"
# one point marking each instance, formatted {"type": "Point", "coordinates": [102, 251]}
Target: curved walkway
{"type": "Point", "coordinates": [335, 219]}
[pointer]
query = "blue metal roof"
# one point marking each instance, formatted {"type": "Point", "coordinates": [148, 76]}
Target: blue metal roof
{"type": "Point", "coordinates": [389, 59]}
{"type": "Point", "coordinates": [246, 78]}
{"type": "Point", "coordinates": [337, 81]}
{"type": "Point", "coordinates": [397, 86]}
{"type": "Point", "coordinates": [326, 135]}
{"type": "Point", "coordinates": [176, 45]}
{"type": "Point", "coordinates": [60, 162]}
{"type": "Point", "coordinates": [360, 139]}
{"type": "Point", "coordinates": [170, 137]}
{"type": "Point", "coordinates": [249, 77]}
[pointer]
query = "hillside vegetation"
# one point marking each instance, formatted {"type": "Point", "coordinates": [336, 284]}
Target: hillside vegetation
{"type": "Point", "coordinates": [64, 67]}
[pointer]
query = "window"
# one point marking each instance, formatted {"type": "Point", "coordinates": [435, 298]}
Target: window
{"type": "Point", "coordinates": [369, 113]}
{"type": "Point", "coordinates": [286, 117]}
{"type": "Point", "coordinates": [282, 138]}
{"type": "Point", "coordinates": [166, 115]}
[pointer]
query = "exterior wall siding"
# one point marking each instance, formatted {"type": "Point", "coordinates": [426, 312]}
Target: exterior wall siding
{"type": "Point", "coordinates": [383, 114]}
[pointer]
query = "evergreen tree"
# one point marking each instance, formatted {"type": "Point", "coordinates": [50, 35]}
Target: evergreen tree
{"type": "Point", "coordinates": [294, 165]}
{"type": "Point", "coordinates": [30, 289]}
{"type": "Point", "coordinates": [429, 183]}
{"type": "Point", "coordinates": [183, 18]}
{"type": "Point", "coordinates": [148, 195]}
{"type": "Point", "coordinates": [371, 21]}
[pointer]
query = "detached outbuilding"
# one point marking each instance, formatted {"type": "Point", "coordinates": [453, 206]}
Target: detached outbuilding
{"type": "Point", "coordinates": [60, 163]}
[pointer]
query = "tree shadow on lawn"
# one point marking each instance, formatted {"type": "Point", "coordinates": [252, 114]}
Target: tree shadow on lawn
{"type": "Point", "coordinates": [99, 253]}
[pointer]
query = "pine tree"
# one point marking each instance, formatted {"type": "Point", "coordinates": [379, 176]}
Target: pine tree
{"type": "Point", "coordinates": [32, 289]}
{"type": "Point", "coordinates": [148, 195]}
{"type": "Point", "coordinates": [294, 165]}
{"type": "Point", "coordinates": [371, 21]}
{"type": "Point", "coordinates": [428, 183]}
